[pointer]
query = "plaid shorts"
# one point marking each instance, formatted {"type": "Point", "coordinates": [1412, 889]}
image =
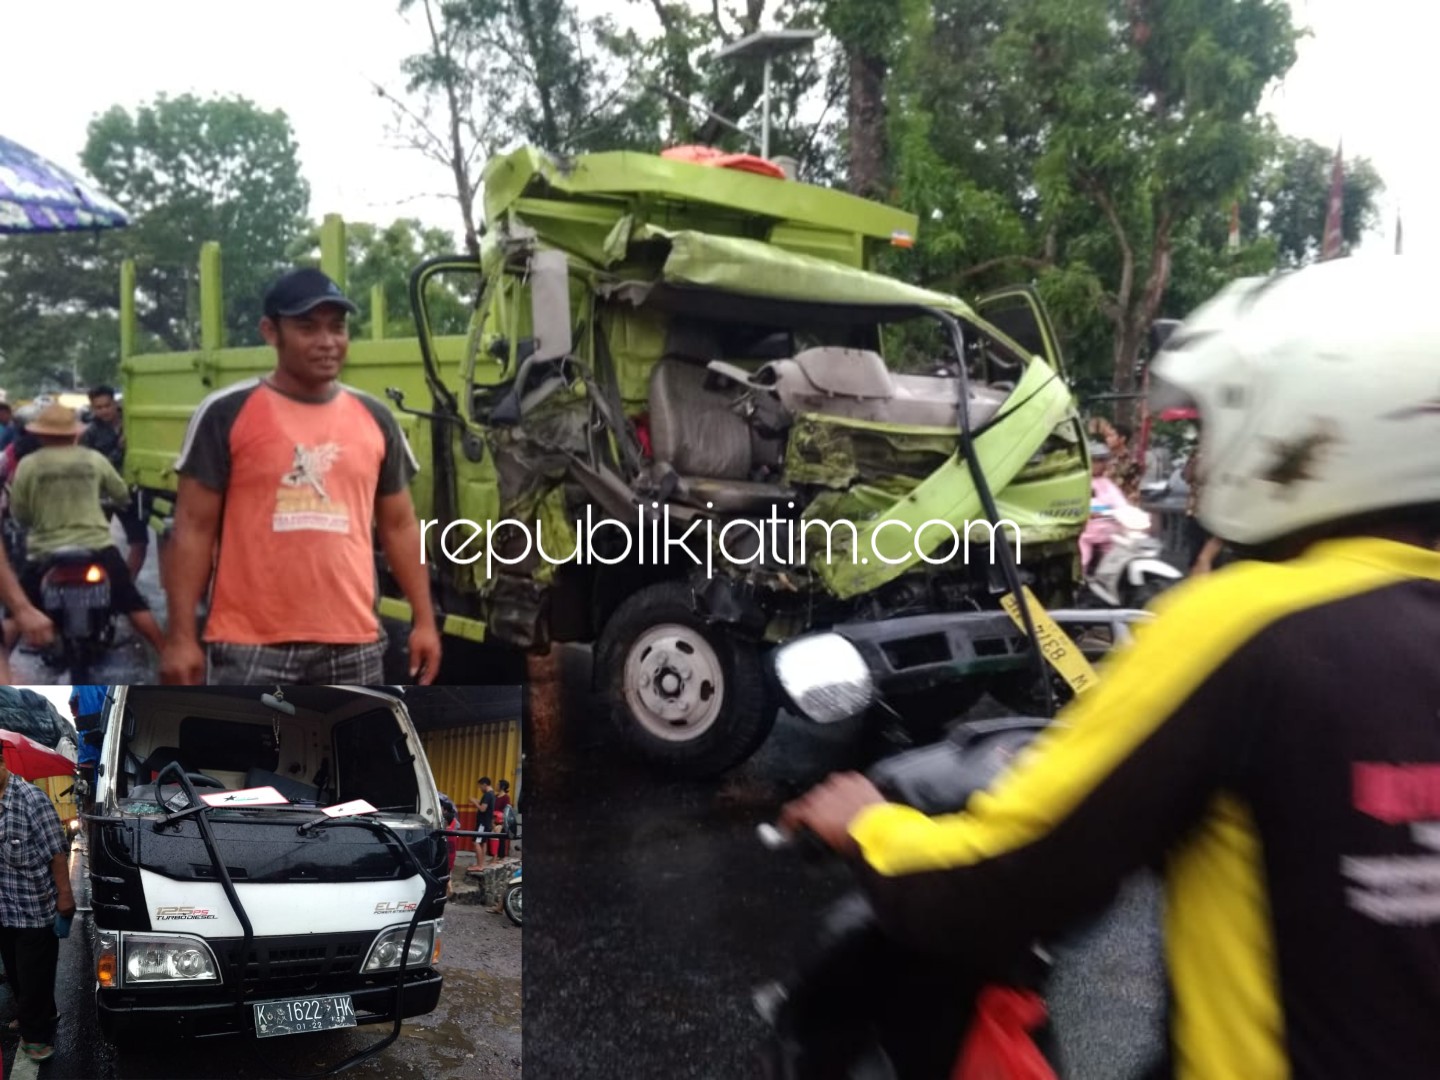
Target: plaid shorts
{"type": "Point", "coordinates": [295, 662]}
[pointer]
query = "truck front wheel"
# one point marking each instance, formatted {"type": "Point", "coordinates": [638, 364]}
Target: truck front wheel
{"type": "Point", "coordinates": [684, 695]}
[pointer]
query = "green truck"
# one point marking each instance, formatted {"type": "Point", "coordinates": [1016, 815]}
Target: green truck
{"type": "Point", "coordinates": [685, 419]}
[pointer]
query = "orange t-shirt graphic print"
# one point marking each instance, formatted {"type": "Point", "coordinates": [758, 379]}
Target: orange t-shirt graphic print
{"type": "Point", "coordinates": [300, 480]}
{"type": "Point", "coordinates": [302, 502]}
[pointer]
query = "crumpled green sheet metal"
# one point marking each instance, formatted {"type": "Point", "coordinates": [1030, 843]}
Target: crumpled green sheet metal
{"type": "Point", "coordinates": [752, 268]}
{"type": "Point", "coordinates": [890, 543]}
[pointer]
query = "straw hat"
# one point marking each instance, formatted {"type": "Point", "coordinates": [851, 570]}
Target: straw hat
{"type": "Point", "coordinates": [56, 420]}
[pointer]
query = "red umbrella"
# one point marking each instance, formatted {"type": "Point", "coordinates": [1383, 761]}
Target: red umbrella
{"type": "Point", "coordinates": [30, 760]}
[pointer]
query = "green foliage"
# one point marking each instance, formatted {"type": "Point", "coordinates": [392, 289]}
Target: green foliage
{"type": "Point", "coordinates": [1088, 146]}
{"type": "Point", "coordinates": [58, 327]}
{"type": "Point", "coordinates": [384, 256]}
{"type": "Point", "coordinates": [188, 170]}
{"type": "Point", "coordinates": [191, 170]}
{"type": "Point", "coordinates": [1291, 196]}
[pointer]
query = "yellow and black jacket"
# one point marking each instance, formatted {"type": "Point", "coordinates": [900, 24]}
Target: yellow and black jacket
{"type": "Point", "coordinates": [1272, 739]}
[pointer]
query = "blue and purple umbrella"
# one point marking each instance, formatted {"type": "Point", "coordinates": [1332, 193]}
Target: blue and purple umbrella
{"type": "Point", "coordinates": [37, 196]}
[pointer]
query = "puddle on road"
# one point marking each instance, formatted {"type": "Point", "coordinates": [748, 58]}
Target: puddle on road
{"type": "Point", "coordinates": [496, 1000]}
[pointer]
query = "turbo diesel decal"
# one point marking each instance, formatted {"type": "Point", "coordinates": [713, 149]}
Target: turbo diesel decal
{"type": "Point", "coordinates": [171, 914]}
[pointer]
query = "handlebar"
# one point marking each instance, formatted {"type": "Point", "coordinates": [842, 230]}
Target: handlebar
{"type": "Point", "coordinates": [805, 843]}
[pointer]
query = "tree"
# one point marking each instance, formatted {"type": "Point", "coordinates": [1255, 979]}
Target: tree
{"type": "Point", "coordinates": [191, 170]}
{"type": "Point", "coordinates": [1147, 119]}
{"type": "Point", "coordinates": [502, 71]}
{"type": "Point", "coordinates": [58, 329]}
{"type": "Point", "coordinates": [1292, 194]}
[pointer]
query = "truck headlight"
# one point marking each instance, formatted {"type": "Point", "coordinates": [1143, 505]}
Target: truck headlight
{"type": "Point", "coordinates": [385, 953]}
{"type": "Point", "coordinates": [825, 677]}
{"type": "Point", "coordinates": [165, 958]}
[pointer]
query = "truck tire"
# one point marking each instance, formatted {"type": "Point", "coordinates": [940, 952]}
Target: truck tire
{"type": "Point", "coordinates": [684, 695]}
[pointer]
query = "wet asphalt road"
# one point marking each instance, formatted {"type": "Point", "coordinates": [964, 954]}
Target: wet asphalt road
{"type": "Point", "coordinates": [473, 1034]}
{"type": "Point", "coordinates": [654, 912]}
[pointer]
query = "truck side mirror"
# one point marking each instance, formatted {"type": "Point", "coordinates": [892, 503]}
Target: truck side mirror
{"type": "Point", "coordinates": [550, 304]}
{"type": "Point", "coordinates": [1160, 331]}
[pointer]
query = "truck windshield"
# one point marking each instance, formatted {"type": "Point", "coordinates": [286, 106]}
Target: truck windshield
{"type": "Point", "coordinates": [338, 747]}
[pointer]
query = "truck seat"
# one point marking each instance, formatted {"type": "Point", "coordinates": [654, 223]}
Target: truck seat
{"type": "Point", "coordinates": [714, 451]}
{"type": "Point", "coordinates": [856, 384]}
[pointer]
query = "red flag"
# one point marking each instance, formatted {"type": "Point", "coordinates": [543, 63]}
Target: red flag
{"type": "Point", "coordinates": [1330, 246]}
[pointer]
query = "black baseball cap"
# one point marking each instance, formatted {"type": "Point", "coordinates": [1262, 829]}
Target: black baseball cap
{"type": "Point", "coordinates": [301, 290]}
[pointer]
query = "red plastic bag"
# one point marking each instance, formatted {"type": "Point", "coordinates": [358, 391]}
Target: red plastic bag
{"type": "Point", "coordinates": [999, 1045]}
{"type": "Point", "coordinates": [709, 155]}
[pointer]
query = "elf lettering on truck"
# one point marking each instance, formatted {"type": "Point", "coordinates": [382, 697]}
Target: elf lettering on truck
{"type": "Point", "coordinates": [329, 901]}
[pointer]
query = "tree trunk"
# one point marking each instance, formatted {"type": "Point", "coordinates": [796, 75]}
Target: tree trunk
{"type": "Point", "coordinates": [464, 190]}
{"type": "Point", "coordinates": [1129, 334]}
{"type": "Point", "coordinates": [543, 47]}
{"type": "Point", "coordinates": [868, 143]}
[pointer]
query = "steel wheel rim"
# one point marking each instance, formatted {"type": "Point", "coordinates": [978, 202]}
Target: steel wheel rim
{"type": "Point", "coordinates": [674, 682]}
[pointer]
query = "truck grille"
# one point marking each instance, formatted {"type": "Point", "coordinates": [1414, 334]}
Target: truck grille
{"type": "Point", "coordinates": [295, 963]}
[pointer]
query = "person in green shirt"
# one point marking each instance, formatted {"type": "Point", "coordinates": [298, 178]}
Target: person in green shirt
{"type": "Point", "coordinates": [56, 496]}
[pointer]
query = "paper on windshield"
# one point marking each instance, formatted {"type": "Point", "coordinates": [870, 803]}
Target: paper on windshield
{"type": "Point", "coordinates": [260, 796]}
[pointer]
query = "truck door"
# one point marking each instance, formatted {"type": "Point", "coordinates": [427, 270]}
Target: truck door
{"type": "Point", "coordinates": [448, 297]}
{"type": "Point", "coordinates": [1018, 312]}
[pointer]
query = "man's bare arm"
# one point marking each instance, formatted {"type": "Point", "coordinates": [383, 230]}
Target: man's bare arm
{"type": "Point", "coordinates": [192, 552]}
{"type": "Point", "coordinates": [33, 624]}
{"type": "Point", "coordinates": [188, 566]}
{"type": "Point", "coordinates": [64, 896]}
{"type": "Point", "coordinates": [399, 533]}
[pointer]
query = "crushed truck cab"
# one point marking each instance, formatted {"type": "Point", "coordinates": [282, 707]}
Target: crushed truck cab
{"type": "Point", "coordinates": [660, 349]}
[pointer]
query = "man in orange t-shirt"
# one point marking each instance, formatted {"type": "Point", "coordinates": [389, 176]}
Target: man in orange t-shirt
{"type": "Point", "coordinates": [291, 474]}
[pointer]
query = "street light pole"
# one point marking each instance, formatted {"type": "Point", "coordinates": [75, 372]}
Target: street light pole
{"type": "Point", "coordinates": [768, 44]}
{"type": "Point", "coordinates": [765, 121]}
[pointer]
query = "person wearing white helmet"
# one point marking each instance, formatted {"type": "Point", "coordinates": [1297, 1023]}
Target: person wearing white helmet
{"type": "Point", "coordinates": [1271, 738]}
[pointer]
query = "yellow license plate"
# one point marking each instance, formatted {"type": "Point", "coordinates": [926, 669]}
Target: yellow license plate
{"type": "Point", "coordinates": [1055, 645]}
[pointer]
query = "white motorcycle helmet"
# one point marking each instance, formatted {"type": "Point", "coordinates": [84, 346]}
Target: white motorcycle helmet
{"type": "Point", "coordinates": [1319, 396]}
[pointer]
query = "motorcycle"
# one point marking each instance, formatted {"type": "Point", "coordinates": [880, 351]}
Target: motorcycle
{"type": "Point", "coordinates": [861, 1006]}
{"type": "Point", "coordinates": [511, 901]}
{"type": "Point", "coordinates": [75, 594]}
{"type": "Point", "coordinates": [1129, 571]}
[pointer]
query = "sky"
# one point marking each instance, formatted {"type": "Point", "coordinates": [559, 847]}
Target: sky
{"type": "Point", "coordinates": [1365, 69]}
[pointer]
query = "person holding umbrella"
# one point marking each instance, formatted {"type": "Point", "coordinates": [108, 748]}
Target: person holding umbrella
{"type": "Point", "coordinates": [36, 905]}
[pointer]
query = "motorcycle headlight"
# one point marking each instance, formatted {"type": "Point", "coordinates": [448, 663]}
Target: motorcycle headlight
{"type": "Point", "coordinates": [825, 678]}
{"type": "Point", "coordinates": [163, 958]}
{"type": "Point", "coordinates": [384, 955]}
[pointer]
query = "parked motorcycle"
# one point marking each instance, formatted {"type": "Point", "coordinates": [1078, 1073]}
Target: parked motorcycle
{"type": "Point", "coordinates": [511, 901]}
{"type": "Point", "coordinates": [861, 1006]}
{"type": "Point", "coordinates": [75, 593]}
{"type": "Point", "coordinates": [1129, 571]}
